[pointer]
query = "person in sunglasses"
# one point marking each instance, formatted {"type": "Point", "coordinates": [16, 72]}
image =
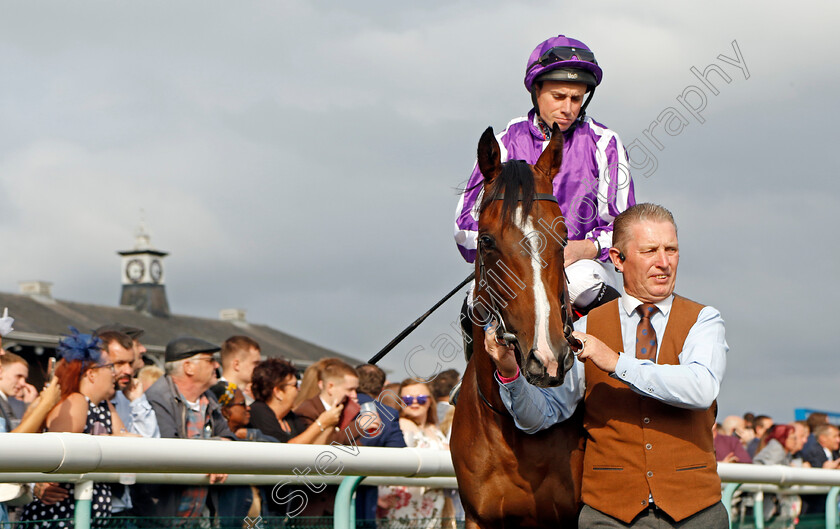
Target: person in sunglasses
{"type": "Point", "coordinates": [418, 422]}
{"type": "Point", "coordinates": [593, 185]}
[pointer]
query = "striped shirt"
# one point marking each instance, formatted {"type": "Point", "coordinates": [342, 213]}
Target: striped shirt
{"type": "Point", "coordinates": [592, 187]}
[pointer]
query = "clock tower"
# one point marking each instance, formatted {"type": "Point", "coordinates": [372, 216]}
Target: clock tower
{"type": "Point", "coordinates": [142, 276]}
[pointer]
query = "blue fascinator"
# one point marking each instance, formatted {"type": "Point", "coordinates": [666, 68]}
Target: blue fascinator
{"type": "Point", "coordinates": [79, 347]}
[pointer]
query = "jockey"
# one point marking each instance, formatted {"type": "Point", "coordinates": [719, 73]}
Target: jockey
{"type": "Point", "coordinates": [593, 185]}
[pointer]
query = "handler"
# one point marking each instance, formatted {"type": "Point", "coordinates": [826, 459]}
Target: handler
{"type": "Point", "coordinates": [593, 185]}
{"type": "Point", "coordinates": [649, 372]}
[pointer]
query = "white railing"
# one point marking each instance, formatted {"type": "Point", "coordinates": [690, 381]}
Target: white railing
{"type": "Point", "coordinates": [85, 458]}
{"type": "Point", "coordinates": [82, 453]}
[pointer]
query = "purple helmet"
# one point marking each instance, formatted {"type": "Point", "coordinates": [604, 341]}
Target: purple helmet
{"type": "Point", "coordinates": [562, 59]}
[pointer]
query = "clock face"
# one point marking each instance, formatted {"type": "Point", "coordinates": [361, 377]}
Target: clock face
{"type": "Point", "coordinates": [156, 270]}
{"type": "Point", "coordinates": [134, 270]}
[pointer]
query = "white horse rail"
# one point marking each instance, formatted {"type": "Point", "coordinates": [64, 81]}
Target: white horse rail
{"type": "Point", "coordinates": [59, 454]}
{"type": "Point", "coordinates": [789, 479]}
{"type": "Point", "coordinates": [130, 478]}
{"type": "Point", "coordinates": [777, 474]}
{"type": "Point", "coordinates": [82, 453]}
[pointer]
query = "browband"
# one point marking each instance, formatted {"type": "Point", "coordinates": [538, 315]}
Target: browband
{"type": "Point", "coordinates": [537, 196]}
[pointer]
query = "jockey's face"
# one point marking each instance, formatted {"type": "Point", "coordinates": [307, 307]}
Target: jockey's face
{"type": "Point", "coordinates": [559, 102]}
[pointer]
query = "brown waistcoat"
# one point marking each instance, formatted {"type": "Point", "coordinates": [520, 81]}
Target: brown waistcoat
{"type": "Point", "coordinates": [638, 446]}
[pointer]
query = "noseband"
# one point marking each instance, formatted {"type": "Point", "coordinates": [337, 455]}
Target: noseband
{"type": "Point", "coordinates": [503, 337]}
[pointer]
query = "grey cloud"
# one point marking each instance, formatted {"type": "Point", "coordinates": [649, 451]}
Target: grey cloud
{"type": "Point", "coordinates": [300, 159]}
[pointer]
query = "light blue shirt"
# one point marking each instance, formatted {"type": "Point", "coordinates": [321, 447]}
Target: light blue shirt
{"type": "Point", "coordinates": [693, 384]}
{"type": "Point", "coordinates": [139, 417]}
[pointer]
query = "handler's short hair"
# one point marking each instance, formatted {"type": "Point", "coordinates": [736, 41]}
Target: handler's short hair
{"type": "Point", "coordinates": [638, 213]}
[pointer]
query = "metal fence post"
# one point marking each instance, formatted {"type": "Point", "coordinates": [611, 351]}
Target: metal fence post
{"type": "Point", "coordinates": [728, 493]}
{"type": "Point", "coordinates": [831, 508]}
{"type": "Point", "coordinates": [758, 509]}
{"type": "Point", "coordinates": [344, 511]}
{"type": "Point", "coordinates": [83, 492]}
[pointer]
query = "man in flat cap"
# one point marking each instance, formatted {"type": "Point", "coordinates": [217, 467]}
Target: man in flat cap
{"type": "Point", "coordinates": [186, 409]}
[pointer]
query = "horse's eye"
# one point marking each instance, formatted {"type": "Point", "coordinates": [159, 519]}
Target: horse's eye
{"type": "Point", "coordinates": [487, 242]}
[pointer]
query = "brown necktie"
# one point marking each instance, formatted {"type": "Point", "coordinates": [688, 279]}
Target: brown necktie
{"type": "Point", "coordinates": [645, 335]}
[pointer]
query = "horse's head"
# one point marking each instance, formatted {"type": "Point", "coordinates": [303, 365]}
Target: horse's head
{"type": "Point", "coordinates": [519, 263]}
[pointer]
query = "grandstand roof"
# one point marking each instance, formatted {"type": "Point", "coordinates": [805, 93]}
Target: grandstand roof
{"type": "Point", "coordinates": [41, 321]}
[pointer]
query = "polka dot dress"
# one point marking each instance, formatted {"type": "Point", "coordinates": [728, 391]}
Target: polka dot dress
{"type": "Point", "coordinates": [98, 422]}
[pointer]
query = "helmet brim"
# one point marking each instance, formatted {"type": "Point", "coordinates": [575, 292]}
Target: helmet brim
{"type": "Point", "coordinates": [571, 75]}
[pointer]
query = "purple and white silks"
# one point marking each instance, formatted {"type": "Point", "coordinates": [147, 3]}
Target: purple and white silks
{"type": "Point", "coordinates": [592, 187]}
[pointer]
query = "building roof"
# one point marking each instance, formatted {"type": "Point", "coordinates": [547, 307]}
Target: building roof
{"type": "Point", "coordinates": [41, 321]}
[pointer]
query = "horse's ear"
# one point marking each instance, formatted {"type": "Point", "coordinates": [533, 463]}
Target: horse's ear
{"type": "Point", "coordinates": [552, 157]}
{"type": "Point", "coordinates": [489, 156]}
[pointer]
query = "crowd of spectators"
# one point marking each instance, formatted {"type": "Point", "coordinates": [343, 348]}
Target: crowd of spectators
{"type": "Point", "coordinates": [228, 392]}
{"type": "Point", "coordinates": [813, 443]}
{"type": "Point", "coordinates": [231, 392]}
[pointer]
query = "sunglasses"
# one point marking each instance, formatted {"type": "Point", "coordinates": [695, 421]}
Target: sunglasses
{"type": "Point", "coordinates": [420, 399]}
{"type": "Point", "coordinates": [564, 53]}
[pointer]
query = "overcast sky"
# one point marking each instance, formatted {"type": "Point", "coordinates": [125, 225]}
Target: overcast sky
{"type": "Point", "coordinates": [301, 159]}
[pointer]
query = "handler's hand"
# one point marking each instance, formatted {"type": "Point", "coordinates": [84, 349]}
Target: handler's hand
{"type": "Point", "coordinates": [502, 355]}
{"type": "Point", "coordinates": [597, 352]}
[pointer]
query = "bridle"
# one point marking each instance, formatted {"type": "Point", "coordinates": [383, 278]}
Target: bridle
{"type": "Point", "coordinates": [503, 337]}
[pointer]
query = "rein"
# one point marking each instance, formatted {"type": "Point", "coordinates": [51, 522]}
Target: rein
{"type": "Point", "coordinates": [502, 335]}
{"type": "Point", "coordinates": [487, 402]}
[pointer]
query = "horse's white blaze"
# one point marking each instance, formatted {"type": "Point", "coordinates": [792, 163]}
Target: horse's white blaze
{"type": "Point", "coordinates": [542, 347]}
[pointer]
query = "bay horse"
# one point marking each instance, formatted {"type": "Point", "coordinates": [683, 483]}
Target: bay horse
{"type": "Point", "coordinates": [506, 477]}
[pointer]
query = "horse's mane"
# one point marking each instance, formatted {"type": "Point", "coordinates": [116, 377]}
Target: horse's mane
{"type": "Point", "coordinates": [515, 180]}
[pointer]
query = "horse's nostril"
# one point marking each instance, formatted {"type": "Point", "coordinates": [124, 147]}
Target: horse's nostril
{"type": "Point", "coordinates": [533, 365]}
